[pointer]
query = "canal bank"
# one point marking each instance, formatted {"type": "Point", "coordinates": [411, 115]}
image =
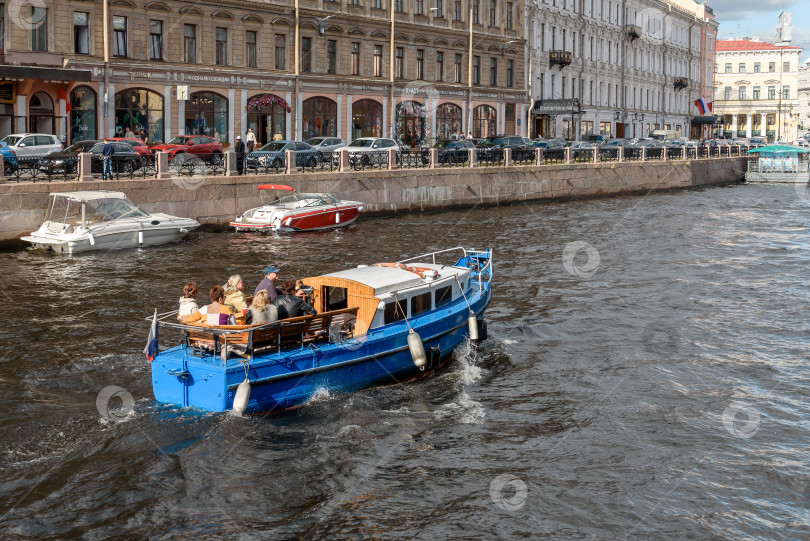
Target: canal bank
{"type": "Point", "coordinates": [214, 201]}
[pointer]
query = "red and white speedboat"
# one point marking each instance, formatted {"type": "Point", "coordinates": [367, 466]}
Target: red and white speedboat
{"type": "Point", "coordinates": [298, 212]}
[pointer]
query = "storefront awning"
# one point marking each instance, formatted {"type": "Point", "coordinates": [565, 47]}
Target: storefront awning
{"type": "Point", "coordinates": [48, 74]}
{"type": "Point", "coordinates": [557, 107]}
{"type": "Point", "coordinates": [697, 120]}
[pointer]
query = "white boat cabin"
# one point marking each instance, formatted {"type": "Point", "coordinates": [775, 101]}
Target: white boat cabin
{"type": "Point", "coordinates": [387, 292]}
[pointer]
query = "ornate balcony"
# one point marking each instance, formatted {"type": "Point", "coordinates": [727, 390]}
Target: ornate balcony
{"type": "Point", "coordinates": [633, 31]}
{"type": "Point", "coordinates": [560, 58]}
{"type": "Point", "coordinates": [681, 83]}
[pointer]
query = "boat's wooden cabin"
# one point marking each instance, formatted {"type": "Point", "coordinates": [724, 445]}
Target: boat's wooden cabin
{"type": "Point", "coordinates": [375, 291]}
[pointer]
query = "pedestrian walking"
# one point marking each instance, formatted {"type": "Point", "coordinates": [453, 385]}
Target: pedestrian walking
{"type": "Point", "coordinates": [240, 155]}
{"type": "Point", "coordinates": [250, 140]}
{"type": "Point", "coordinates": [107, 152]}
{"type": "Point", "coordinates": [278, 136]}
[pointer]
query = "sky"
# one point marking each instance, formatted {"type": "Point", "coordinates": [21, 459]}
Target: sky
{"type": "Point", "coordinates": [759, 18]}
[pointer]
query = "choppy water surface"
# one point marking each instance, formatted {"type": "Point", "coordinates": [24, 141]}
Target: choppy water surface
{"type": "Point", "coordinates": [646, 378]}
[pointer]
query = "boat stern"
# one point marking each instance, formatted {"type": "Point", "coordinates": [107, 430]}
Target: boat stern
{"type": "Point", "coordinates": [183, 380]}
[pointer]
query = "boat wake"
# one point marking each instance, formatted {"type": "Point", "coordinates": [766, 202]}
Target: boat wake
{"type": "Point", "coordinates": [463, 409]}
{"type": "Point", "coordinates": [321, 394]}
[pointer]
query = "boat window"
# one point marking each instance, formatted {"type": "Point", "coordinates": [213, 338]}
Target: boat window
{"type": "Point", "coordinates": [394, 311]}
{"type": "Point", "coordinates": [104, 210]}
{"type": "Point", "coordinates": [420, 303]}
{"type": "Point", "coordinates": [65, 211]}
{"type": "Point", "coordinates": [444, 295]}
{"type": "Point", "coordinates": [336, 298]}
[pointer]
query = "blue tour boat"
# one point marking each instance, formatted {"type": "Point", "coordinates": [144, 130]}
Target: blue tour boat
{"type": "Point", "coordinates": [376, 325]}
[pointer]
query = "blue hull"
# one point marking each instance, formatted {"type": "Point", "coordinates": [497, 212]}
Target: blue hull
{"type": "Point", "coordinates": [291, 378]}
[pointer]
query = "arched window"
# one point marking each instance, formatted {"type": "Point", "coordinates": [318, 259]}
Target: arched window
{"type": "Point", "coordinates": [82, 114]}
{"type": "Point", "coordinates": [207, 114]}
{"type": "Point", "coordinates": [40, 113]}
{"type": "Point", "coordinates": [366, 119]}
{"type": "Point", "coordinates": [319, 117]}
{"type": "Point", "coordinates": [267, 116]}
{"type": "Point", "coordinates": [484, 118]}
{"type": "Point", "coordinates": [448, 120]}
{"type": "Point", "coordinates": [141, 112]}
{"type": "Point", "coordinates": [411, 123]}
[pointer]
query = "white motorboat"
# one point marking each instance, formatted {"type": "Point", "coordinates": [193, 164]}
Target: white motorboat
{"type": "Point", "coordinates": [103, 220]}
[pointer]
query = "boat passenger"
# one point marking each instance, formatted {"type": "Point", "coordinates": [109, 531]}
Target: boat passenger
{"type": "Point", "coordinates": [291, 306]}
{"type": "Point", "coordinates": [270, 274]}
{"type": "Point", "coordinates": [234, 297]}
{"type": "Point", "coordinates": [188, 302]}
{"type": "Point", "coordinates": [216, 313]}
{"type": "Point", "coordinates": [261, 311]}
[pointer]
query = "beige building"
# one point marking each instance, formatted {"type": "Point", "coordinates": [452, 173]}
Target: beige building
{"type": "Point", "coordinates": [804, 97]}
{"type": "Point", "coordinates": [411, 69]}
{"type": "Point", "coordinates": [756, 89]}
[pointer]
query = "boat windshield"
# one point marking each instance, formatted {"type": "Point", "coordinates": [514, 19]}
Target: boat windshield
{"type": "Point", "coordinates": [314, 198]}
{"type": "Point", "coordinates": [64, 211]}
{"type": "Point", "coordinates": [108, 209]}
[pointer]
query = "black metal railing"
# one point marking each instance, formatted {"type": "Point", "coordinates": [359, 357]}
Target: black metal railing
{"type": "Point", "coordinates": [186, 164]}
{"type": "Point", "coordinates": [609, 154]}
{"type": "Point", "coordinates": [632, 154]}
{"type": "Point", "coordinates": [317, 161]}
{"type": "Point", "coordinates": [454, 158]}
{"type": "Point", "coordinates": [521, 156]}
{"type": "Point", "coordinates": [654, 153]}
{"type": "Point", "coordinates": [413, 158]}
{"type": "Point", "coordinates": [264, 165]}
{"type": "Point", "coordinates": [369, 160]}
{"type": "Point", "coordinates": [488, 157]}
{"type": "Point", "coordinates": [557, 155]}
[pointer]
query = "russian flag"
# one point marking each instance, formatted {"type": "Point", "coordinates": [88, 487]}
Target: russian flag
{"type": "Point", "coordinates": [700, 103]}
{"type": "Point", "coordinates": [152, 342]}
{"type": "Point", "coordinates": [711, 110]}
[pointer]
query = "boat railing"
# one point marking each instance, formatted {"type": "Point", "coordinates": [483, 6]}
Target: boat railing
{"type": "Point", "coordinates": [434, 254]}
{"type": "Point", "coordinates": [335, 326]}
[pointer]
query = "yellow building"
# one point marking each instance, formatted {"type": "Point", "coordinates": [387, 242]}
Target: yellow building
{"type": "Point", "coordinates": [756, 89]}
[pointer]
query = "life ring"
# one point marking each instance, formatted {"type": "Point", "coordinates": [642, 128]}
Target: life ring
{"type": "Point", "coordinates": [393, 265]}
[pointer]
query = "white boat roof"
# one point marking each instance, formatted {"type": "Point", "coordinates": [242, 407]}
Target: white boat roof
{"type": "Point", "coordinates": [387, 279]}
{"type": "Point", "coordinates": [91, 195]}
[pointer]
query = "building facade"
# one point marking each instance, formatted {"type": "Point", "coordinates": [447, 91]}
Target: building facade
{"type": "Point", "coordinates": [630, 67]}
{"type": "Point", "coordinates": [804, 98]}
{"type": "Point", "coordinates": [345, 68]}
{"type": "Point", "coordinates": [756, 89]}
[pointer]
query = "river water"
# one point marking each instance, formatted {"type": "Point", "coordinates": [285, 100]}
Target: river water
{"type": "Point", "coordinates": [645, 378]}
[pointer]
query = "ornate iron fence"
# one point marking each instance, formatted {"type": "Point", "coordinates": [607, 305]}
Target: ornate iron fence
{"type": "Point", "coordinates": [523, 156]}
{"type": "Point", "coordinates": [210, 165]}
{"type": "Point", "coordinates": [555, 155]}
{"type": "Point", "coordinates": [413, 158]}
{"type": "Point", "coordinates": [369, 160]}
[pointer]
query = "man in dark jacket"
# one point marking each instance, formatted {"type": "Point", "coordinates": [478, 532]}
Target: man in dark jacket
{"type": "Point", "coordinates": [289, 305]}
{"type": "Point", "coordinates": [107, 152]}
{"type": "Point", "coordinates": [240, 155]}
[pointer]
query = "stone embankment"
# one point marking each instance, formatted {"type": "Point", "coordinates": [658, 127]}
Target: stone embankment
{"type": "Point", "coordinates": [214, 201]}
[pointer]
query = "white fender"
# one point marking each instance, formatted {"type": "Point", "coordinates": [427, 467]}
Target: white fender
{"type": "Point", "coordinates": [472, 323]}
{"type": "Point", "coordinates": [92, 239]}
{"type": "Point", "coordinates": [417, 350]}
{"type": "Point", "coordinates": [140, 238]}
{"type": "Point", "coordinates": [241, 398]}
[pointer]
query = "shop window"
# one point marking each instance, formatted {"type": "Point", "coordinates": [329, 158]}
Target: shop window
{"type": "Point", "coordinates": [207, 114]}
{"type": "Point", "coordinates": [82, 114]}
{"type": "Point", "coordinates": [140, 111]}
{"type": "Point", "coordinates": [484, 121]}
{"type": "Point", "coordinates": [319, 117]}
{"type": "Point", "coordinates": [366, 119]}
{"type": "Point", "coordinates": [448, 120]}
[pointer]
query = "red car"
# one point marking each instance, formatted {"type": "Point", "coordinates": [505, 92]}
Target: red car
{"type": "Point", "coordinates": [188, 146]}
{"type": "Point", "coordinates": [140, 147]}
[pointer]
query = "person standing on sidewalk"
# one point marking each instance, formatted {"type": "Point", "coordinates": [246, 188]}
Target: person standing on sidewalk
{"type": "Point", "coordinates": [250, 138]}
{"type": "Point", "coordinates": [107, 152]}
{"type": "Point", "coordinates": [240, 155]}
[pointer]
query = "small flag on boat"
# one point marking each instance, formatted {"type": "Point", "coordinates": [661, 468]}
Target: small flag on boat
{"type": "Point", "coordinates": [152, 342]}
{"type": "Point", "coordinates": [701, 105]}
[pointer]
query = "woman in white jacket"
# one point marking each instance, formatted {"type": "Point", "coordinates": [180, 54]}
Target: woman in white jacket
{"type": "Point", "coordinates": [188, 303]}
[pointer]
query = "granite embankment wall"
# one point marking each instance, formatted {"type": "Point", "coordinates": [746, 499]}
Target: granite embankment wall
{"type": "Point", "coordinates": [217, 200]}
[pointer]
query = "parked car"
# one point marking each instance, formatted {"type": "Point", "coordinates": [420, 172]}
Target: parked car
{"type": "Point", "coordinates": [326, 144]}
{"type": "Point", "coordinates": [674, 143]}
{"type": "Point", "coordinates": [450, 151]}
{"type": "Point", "coordinates": [33, 144]}
{"type": "Point", "coordinates": [717, 143]}
{"type": "Point", "coordinates": [760, 141]}
{"type": "Point", "coordinates": [273, 154]}
{"type": "Point", "coordinates": [581, 149]}
{"type": "Point", "coordinates": [615, 143]}
{"type": "Point", "coordinates": [549, 144]}
{"type": "Point", "coordinates": [67, 160]}
{"type": "Point", "coordinates": [9, 159]}
{"type": "Point", "coordinates": [739, 142]}
{"type": "Point", "coordinates": [140, 147]}
{"type": "Point", "coordinates": [481, 142]}
{"type": "Point", "coordinates": [184, 147]}
{"type": "Point", "coordinates": [508, 141]}
{"type": "Point", "coordinates": [648, 143]}
{"type": "Point", "coordinates": [596, 139]}
{"type": "Point", "coordinates": [366, 150]}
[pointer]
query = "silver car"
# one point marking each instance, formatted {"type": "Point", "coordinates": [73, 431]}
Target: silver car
{"type": "Point", "coordinates": [33, 144]}
{"type": "Point", "coordinates": [326, 144]}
